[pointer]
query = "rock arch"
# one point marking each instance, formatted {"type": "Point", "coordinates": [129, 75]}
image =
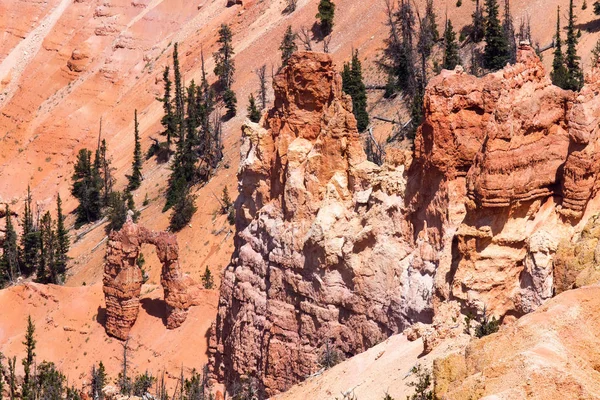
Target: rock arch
{"type": "Point", "coordinates": [122, 281]}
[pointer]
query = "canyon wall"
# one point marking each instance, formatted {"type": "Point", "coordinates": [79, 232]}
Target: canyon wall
{"type": "Point", "coordinates": [333, 251]}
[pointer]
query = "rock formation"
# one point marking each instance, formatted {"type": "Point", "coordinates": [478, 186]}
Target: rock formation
{"type": "Point", "coordinates": [549, 354]}
{"type": "Point", "coordinates": [322, 250]}
{"type": "Point", "coordinates": [331, 248]}
{"type": "Point", "coordinates": [123, 278]}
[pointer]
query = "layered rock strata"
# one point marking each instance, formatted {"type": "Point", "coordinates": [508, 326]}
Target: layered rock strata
{"type": "Point", "coordinates": [322, 252]}
{"type": "Point", "coordinates": [122, 281]}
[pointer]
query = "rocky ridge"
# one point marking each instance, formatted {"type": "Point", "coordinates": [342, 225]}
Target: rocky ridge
{"type": "Point", "coordinates": [332, 250]}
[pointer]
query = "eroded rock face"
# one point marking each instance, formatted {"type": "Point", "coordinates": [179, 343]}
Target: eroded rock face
{"type": "Point", "coordinates": [123, 278]}
{"type": "Point", "coordinates": [522, 152]}
{"type": "Point", "coordinates": [549, 354]}
{"type": "Point", "coordinates": [322, 251]}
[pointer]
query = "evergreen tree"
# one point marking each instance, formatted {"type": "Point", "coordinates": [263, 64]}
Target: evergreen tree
{"type": "Point", "coordinates": [230, 100]}
{"type": "Point", "coordinates": [86, 188]}
{"type": "Point", "coordinates": [253, 113]}
{"type": "Point", "coordinates": [496, 53]}
{"type": "Point", "coordinates": [47, 270]}
{"type": "Point", "coordinates": [12, 379]}
{"type": "Point", "coordinates": [168, 120]}
{"type": "Point", "coordinates": [509, 32]}
{"type": "Point", "coordinates": [353, 85]}
{"type": "Point", "coordinates": [207, 279]}
{"type": "Point", "coordinates": [183, 210]}
{"type": "Point", "coordinates": [179, 93]}
{"type": "Point", "coordinates": [135, 179]}
{"type": "Point", "coordinates": [559, 71]}
{"type": "Point", "coordinates": [124, 381]}
{"type": "Point", "coordinates": [50, 382]}
{"type": "Point", "coordinates": [98, 381]}
{"type": "Point", "coordinates": [62, 239]}
{"type": "Point", "coordinates": [9, 263]}
{"type": "Point", "coordinates": [478, 32]}
{"type": "Point", "coordinates": [431, 22]}
{"type": "Point", "coordinates": [451, 56]}
{"type": "Point", "coordinates": [574, 72]}
{"type": "Point", "coordinates": [29, 343]}
{"type": "Point", "coordinates": [224, 64]}
{"type": "Point", "coordinates": [29, 239]}
{"type": "Point", "coordinates": [325, 15]}
{"type": "Point", "coordinates": [597, 7]}
{"type": "Point", "coordinates": [117, 212]}
{"type": "Point", "coordinates": [288, 45]}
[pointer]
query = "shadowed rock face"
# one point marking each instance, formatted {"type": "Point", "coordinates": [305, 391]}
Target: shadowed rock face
{"type": "Point", "coordinates": [123, 278]}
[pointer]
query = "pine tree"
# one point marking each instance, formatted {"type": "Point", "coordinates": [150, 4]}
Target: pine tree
{"type": "Point", "coordinates": [135, 179]}
{"type": "Point", "coordinates": [9, 263]}
{"type": "Point", "coordinates": [117, 211]}
{"type": "Point", "coordinates": [29, 343]}
{"type": "Point", "coordinates": [207, 279]}
{"type": "Point", "coordinates": [98, 381]}
{"type": "Point", "coordinates": [288, 45]}
{"type": "Point", "coordinates": [417, 108]}
{"type": "Point", "coordinates": [183, 210]}
{"type": "Point", "coordinates": [168, 120]}
{"type": "Point", "coordinates": [496, 53]}
{"type": "Point", "coordinates": [597, 7]}
{"type": "Point", "coordinates": [509, 32]}
{"type": "Point", "coordinates": [559, 71]}
{"type": "Point", "coordinates": [224, 64]}
{"type": "Point", "coordinates": [29, 239]}
{"type": "Point", "coordinates": [179, 93]}
{"type": "Point", "coordinates": [12, 381]}
{"type": "Point", "coordinates": [325, 15]}
{"type": "Point", "coordinates": [62, 239]}
{"type": "Point", "coordinates": [230, 100]}
{"type": "Point", "coordinates": [574, 72]}
{"type": "Point", "coordinates": [478, 32]}
{"type": "Point", "coordinates": [124, 381]}
{"type": "Point", "coordinates": [431, 22]}
{"type": "Point", "coordinates": [353, 85]}
{"type": "Point", "coordinates": [253, 113]}
{"type": "Point", "coordinates": [86, 188]}
{"type": "Point", "coordinates": [47, 270]}
{"type": "Point", "coordinates": [451, 56]}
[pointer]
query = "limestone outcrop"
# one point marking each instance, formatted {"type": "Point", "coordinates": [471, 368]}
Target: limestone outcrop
{"type": "Point", "coordinates": [123, 278]}
{"type": "Point", "coordinates": [322, 250]}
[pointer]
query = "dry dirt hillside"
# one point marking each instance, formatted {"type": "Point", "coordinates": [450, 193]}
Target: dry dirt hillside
{"type": "Point", "coordinates": [66, 64]}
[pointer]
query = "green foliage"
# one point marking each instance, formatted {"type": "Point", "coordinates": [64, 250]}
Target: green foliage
{"type": "Point", "coordinates": [574, 72]}
{"type": "Point", "coordinates": [353, 85]}
{"type": "Point", "coordinates": [230, 100]}
{"type": "Point", "coordinates": [253, 112]}
{"type": "Point", "coordinates": [12, 379]}
{"type": "Point", "coordinates": [135, 179]}
{"type": "Point", "coordinates": [142, 384]}
{"type": "Point", "coordinates": [72, 393]}
{"type": "Point", "coordinates": [478, 31]}
{"type": "Point", "coordinates": [123, 380]}
{"type": "Point", "coordinates": [30, 239]}
{"type": "Point", "coordinates": [97, 382]}
{"type": "Point", "coordinates": [117, 211]}
{"type": "Point", "coordinates": [584, 5]}
{"type": "Point", "coordinates": [86, 188]}
{"type": "Point", "coordinates": [597, 7]}
{"type": "Point", "coordinates": [104, 171]}
{"type": "Point", "coordinates": [207, 279]}
{"type": "Point", "coordinates": [168, 120]}
{"type": "Point", "coordinates": [487, 325]}
{"type": "Point", "coordinates": [29, 343]}
{"type": "Point", "coordinates": [9, 262]}
{"type": "Point", "coordinates": [247, 389]}
{"type": "Point", "coordinates": [497, 52]}
{"type": "Point", "coordinates": [146, 200]}
{"type": "Point", "coordinates": [224, 64]}
{"type": "Point", "coordinates": [62, 239]}
{"type": "Point", "coordinates": [50, 270]}
{"type": "Point", "coordinates": [458, 3]}
{"type": "Point", "coordinates": [288, 45]}
{"type": "Point", "coordinates": [50, 382]}
{"type": "Point", "coordinates": [184, 209]}
{"type": "Point", "coordinates": [559, 74]}
{"type": "Point", "coordinates": [423, 384]}
{"type": "Point", "coordinates": [325, 15]}
{"type": "Point", "coordinates": [330, 356]}
{"type": "Point", "coordinates": [451, 56]}
{"type": "Point", "coordinates": [2, 373]}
